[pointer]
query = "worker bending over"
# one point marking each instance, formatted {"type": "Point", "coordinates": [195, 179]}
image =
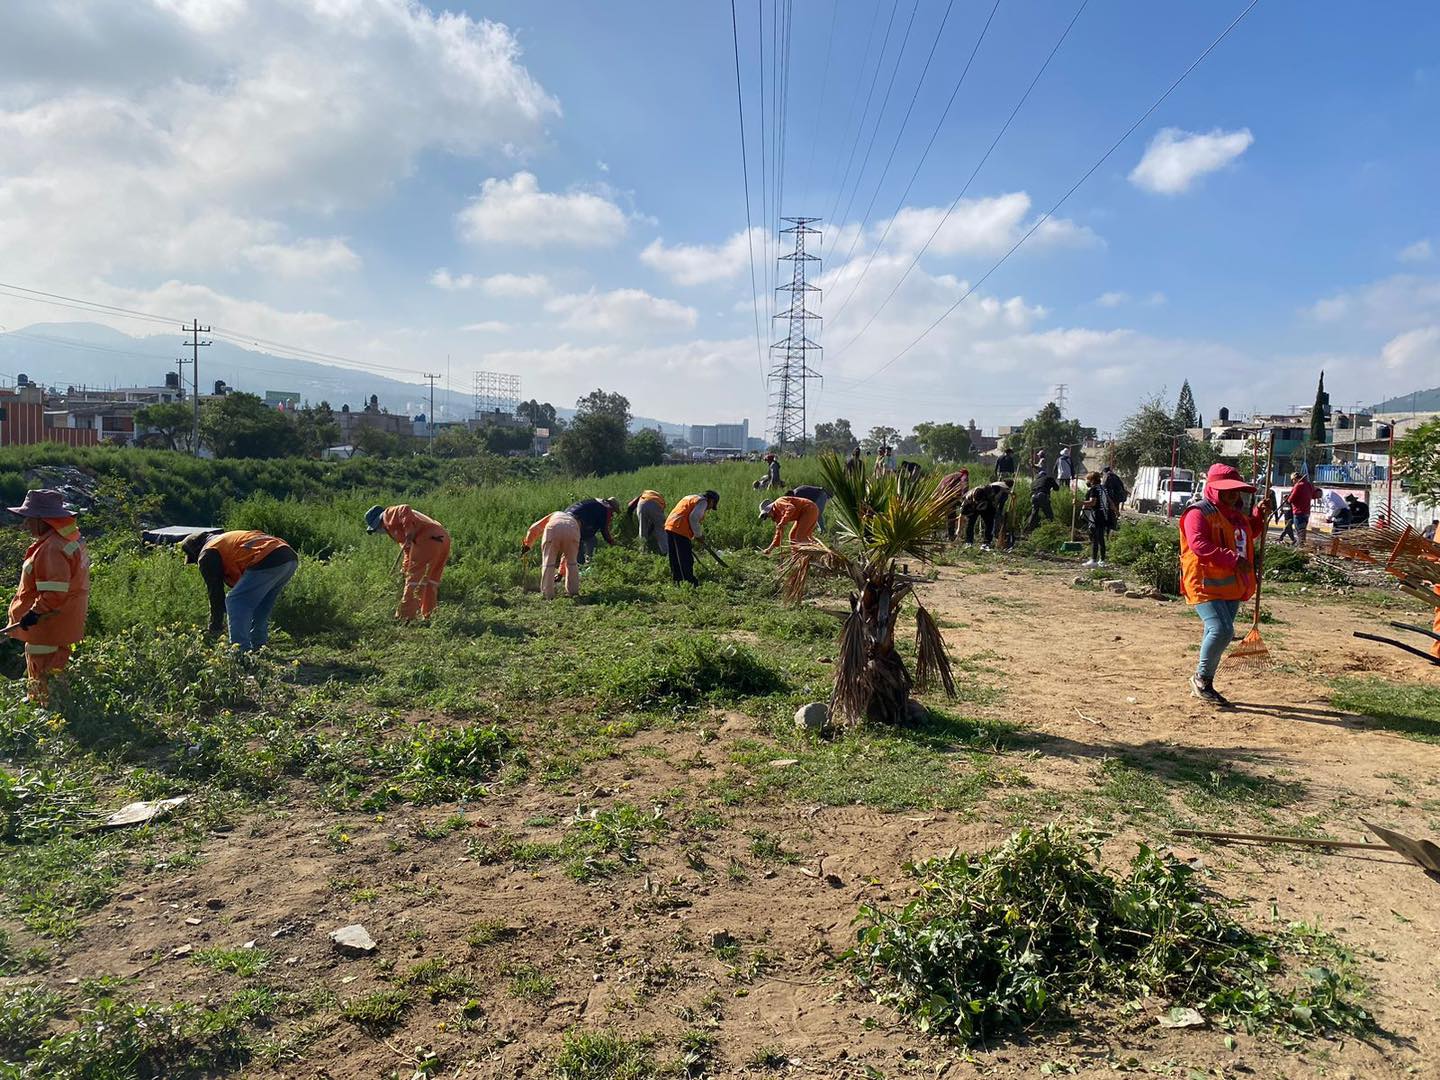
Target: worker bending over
{"type": "Point", "coordinates": [804, 513]}
{"type": "Point", "coordinates": [559, 552]}
{"type": "Point", "coordinates": [594, 516]}
{"type": "Point", "coordinates": [683, 527]}
{"type": "Point", "coordinates": [425, 546]}
{"type": "Point", "coordinates": [48, 612]}
{"type": "Point", "coordinates": [985, 504]}
{"type": "Point", "coordinates": [818, 495]}
{"type": "Point", "coordinates": [535, 536]}
{"type": "Point", "coordinates": [953, 488]}
{"type": "Point", "coordinates": [649, 507]}
{"type": "Point", "coordinates": [255, 567]}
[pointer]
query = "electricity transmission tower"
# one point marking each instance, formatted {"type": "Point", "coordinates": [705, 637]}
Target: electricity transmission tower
{"type": "Point", "coordinates": [790, 367]}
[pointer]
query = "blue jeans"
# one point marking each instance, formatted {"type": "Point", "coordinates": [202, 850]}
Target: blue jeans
{"type": "Point", "coordinates": [249, 603]}
{"type": "Point", "coordinates": [1219, 619]}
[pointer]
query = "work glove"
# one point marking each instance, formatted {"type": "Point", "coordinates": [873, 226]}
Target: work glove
{"type": "Point", "coordinates": [29, 619]}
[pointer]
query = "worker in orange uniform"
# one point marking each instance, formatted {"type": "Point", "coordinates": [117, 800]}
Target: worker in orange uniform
{"type": "Point", "coordinates": [425, 545]}
{"type": "Point", "coordinates": [1217, 566]}
{"type": "Point", "coordinates": [48, 612]}
{"type": "Point", "coordinates": [682, 528]}
{"type": "Point", "coordinates": [255, 567]}
{"type": "Point", "coordinates": [560, 552]}
{"type": "Point", "coordinates": [791, 508]}
{"type": "Point", "coordinates": [649, 507]}
{"type": "Point", "coordinates": [533, 536]}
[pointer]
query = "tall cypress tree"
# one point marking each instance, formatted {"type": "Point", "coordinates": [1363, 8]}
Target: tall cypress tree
{"type": "Point", "coordinates": [1319, 413]}
{"type": "Point", "coordinates": [1186, 414]}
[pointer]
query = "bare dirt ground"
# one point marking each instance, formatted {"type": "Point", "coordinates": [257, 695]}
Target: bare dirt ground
{"type": "Point", "coordinates": [1089, 676]}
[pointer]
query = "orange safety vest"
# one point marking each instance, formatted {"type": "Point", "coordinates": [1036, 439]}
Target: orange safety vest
{"type": "Point", "coordinates": [240, 550]}
{"type": "Point", "coordinates": [405, 524]}
{"type": "Point", "coordinates": [1201, 582]}
{"type": "Point", "coordinates": [1435, 626]}
{"type": "Point", "coordinates": [652, 496]}
{"type": "Point", "coordinates": [679, 520]}
{"type": "Point", "coordinates": [55, 584]}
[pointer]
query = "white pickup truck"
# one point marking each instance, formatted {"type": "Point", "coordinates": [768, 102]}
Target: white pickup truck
{"type": "Point", "coordinates": [1155, 489]}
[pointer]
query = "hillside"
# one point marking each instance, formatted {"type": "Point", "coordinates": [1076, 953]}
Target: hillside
{"type": "Point", "coordinates": [88, 354]}
{"type": "Point", "coordinates": [1420, 401]}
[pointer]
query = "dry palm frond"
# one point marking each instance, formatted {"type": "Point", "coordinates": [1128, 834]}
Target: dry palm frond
{"type": "Point", "coordinates": [931, 660]}
{"type": "Point", "coordinates": [852, 688]}
{"type": "Point", "coordinates": [795, 570]}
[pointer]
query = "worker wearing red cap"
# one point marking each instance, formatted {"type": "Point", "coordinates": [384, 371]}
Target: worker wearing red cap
{"type": "Point", "coordinates": [1217, 566]}
{"type": "Point", "coordinates": [48, 612]}
{"type": "Point", "coordinates": [425, 546]}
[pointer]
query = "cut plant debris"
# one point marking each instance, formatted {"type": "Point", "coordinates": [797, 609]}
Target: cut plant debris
{"type": "Point", "coordinates": [1002, 941]}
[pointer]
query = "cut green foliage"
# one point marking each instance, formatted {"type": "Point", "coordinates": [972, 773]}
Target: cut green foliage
{"type": "Point", "coordinates": [999, 941]}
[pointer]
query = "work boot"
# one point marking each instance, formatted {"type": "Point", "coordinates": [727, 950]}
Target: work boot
{"type": "Point", "coordinates": [1204, 689]}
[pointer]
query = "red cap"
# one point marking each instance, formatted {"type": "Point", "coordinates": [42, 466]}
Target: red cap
{"type": "Point", "coordinates": [1226, 478]}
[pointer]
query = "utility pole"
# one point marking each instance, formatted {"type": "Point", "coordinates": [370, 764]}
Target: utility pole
{"type": "Point", "coordinates": [1060, 389]}
{"type": "Point", "coordinates": [195, 330]}
{"type": "Point", "coordinates": [790, 368]}
{"type": "Point", "coordinates": [431, 415]}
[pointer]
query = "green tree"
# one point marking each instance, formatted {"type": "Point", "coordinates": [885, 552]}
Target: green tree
{"type": "Point", "coordinates": [1147, 436]}
{"type": "Point", "coordinates": [1319, 414]}
{"type": "Point", "coordinates": [539, 414]}
{"type": "Point", "coordinates": [458, 442]}
{"type": "Point", "coordinates": [242, 426]}
{"type": "Point", "coordinates": [1186, 414]}
{"type": "Point", "coordinates": [880, 436]}
{"type": "Point", "coordinates": [594, 444]}
{"type": "Point", "coordinates": [646, 447]}
{"type": "Point", "coordinates": [376, 442]}
{"type": "Point", "coordinates": [835, 436]}
{"type": "Point", "coordinates": [1417, 461]}
{"type": "Point", "coordinates": [944, 442]}
{"type": "Point", "coordinates": [173, 421]}
{"type": "Point", "coordinates": [603, 403]}
{"type": "Point", "coordinates": [1047, 430]}
{"type": "Point", "coordinates": [505, 439]}
{"type": "Point", "coordinates": [316, 428]}
{"type": "Point", "coordinates": [880, 523]}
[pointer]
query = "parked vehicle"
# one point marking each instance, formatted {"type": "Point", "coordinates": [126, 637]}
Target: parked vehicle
{"type": "Point", "coordinates": [1155, 489]}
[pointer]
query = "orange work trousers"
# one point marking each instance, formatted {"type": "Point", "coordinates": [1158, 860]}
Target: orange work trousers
{"type": "Point", "coordinates": [804, 530]}
{"type": "Point", "coordinates": [560, 546]}
{"type": "Point", "coordinates": [424, 567]}
{"type": "Point", "coordinates": [42, 661]}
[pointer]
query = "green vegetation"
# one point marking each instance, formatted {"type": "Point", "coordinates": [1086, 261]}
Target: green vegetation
{"type": "Point", "coordinates": [603, 1055]}
{"type": "Point", "coordinates": [1032, 929]}
{"type": "Point", "coordinates": [1408, 709]}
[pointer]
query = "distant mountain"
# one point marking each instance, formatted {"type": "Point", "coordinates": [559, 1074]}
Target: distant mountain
{"type": "Point", "coordinates": [88, 354]}
{"type": "Point", "coordinates": [1419, 401]}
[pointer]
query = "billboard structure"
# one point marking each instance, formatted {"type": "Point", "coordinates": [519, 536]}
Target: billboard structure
{"type": "Point", "coordinates": [496, 391]}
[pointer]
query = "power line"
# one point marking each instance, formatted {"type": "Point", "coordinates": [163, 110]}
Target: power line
{"type": "Point", "coordinates": [969, 180]}
{"type": "Point", "coordinates": [884, 104]}
{"type": "Point", "coordinates": [1071, 191]}
{"type": "Point", "coordinates": [820, 100]}
{"type": "Point", "coordinates": [745, 171]}
{"type": "Point", "coordinates": [869, 97]}
{"type": "Point", "coordinates": [764, 171]}
{"type": "Point", "coordinates": [984, 31]}
{"type": "Point", "coordinates": [855, 96]}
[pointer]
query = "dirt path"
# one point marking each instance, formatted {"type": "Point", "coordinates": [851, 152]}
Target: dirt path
{"type": "Point", "coordinates": [1090, 678]}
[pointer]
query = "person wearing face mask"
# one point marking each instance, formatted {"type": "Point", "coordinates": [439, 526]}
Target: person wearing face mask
{"type": "Point", "coordinates": [1217, 566]}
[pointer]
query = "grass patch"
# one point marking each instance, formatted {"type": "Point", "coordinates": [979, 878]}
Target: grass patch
{"type": "Point", "coordinates": [603, 1055]}
{"type": "Point", "coordinates": [380, 1011]}
{"type": "Point", "coordinates": [997, 942]}
{"type": "Point", "coordinates": [246, 963]}
{"type": "Point", "coordinates": [1408, 709]}
{"type": "Point", "coordinates": [531, 985]}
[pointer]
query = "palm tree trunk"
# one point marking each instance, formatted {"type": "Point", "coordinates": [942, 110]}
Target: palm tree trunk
{"type": "Point", "coordinates": [881, 693]}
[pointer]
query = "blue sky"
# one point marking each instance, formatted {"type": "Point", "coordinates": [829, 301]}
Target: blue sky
{"type": "Point", "coordinates": [554, 189]}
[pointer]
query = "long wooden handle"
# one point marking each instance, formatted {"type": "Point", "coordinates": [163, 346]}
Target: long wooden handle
{"type": "Point", "coordinates": [1399, 645]}
{"type": "Point", "coordinates": [1270, 838]}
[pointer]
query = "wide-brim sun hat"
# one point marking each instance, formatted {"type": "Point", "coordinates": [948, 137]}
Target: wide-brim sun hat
{"type": "Point", "coordinates": [765, 508]}
{"type": "Point", "coordinates": [43, 503]}
{"type": "Point", "coordinates": [372, 518]}
{"type": "Point", "coordinates": [1224, 477]}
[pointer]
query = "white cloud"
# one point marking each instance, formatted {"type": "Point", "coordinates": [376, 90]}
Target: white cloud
{"type": "Point", "coordinates": [515, 286]}
{"type": "Point", "coordinates": [987, 226]}
{"type": "Point", "coordinates": [443, 279]}
{"type": "Point", "coordinates": [1175, 159]}
{"type": "Point", "coordinates": [1112, 299]}
{"type": "Point", "coordinates": [1419, 251]}
{"type": "Point", "coordinates": [488, 326]}
{"type": "Point", "coordinates": [1157, 299]}
{"type": "Point", "coordinates": [1395, 303]}
{"type": "Point", "coordinates": [1417, 350]}
{"type": "Point", "coordinates": [621, 312]}
{"type": "Point", "coordinates": [704, 264]}
{"type": "Point", "coordinates": [515, 212]}
{"type": "Point", "coordinates": [304, 259]}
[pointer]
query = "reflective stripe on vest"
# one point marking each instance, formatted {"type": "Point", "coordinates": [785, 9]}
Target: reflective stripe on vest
{"type": "Point", "coordinates": [40, 650]}
{"type": "Point", "coordinates": [52, 586]}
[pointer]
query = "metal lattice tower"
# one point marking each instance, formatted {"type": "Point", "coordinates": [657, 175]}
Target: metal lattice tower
{"type": "Point", "coordinates": [496, 391]}
{"type": "Point", "coordinates": [790, 367]}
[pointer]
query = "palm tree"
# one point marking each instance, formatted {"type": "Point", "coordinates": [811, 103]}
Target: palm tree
{"type": "Point", "coordinates": [881, 519]}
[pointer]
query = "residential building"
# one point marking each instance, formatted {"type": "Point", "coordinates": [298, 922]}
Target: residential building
{"type": "Point", "coordinates": [25, 422]}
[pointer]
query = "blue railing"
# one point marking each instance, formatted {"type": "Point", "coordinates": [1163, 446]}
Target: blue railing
{"type": "Point", "coordinates": [1359, 472]}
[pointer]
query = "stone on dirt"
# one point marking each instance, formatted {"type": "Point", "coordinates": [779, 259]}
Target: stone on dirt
{"type": "Point", "coordinates": [812, 717]}
{"type": "Point", "coordinates": [721, 939]}
{"type": "Point", "coordinates": [1116, 586]}
{"type": "Point", "coordinates": [353, 939]}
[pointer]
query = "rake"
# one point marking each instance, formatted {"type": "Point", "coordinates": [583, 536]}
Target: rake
{"type": "Point", "coordinates": [1252, 645]}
